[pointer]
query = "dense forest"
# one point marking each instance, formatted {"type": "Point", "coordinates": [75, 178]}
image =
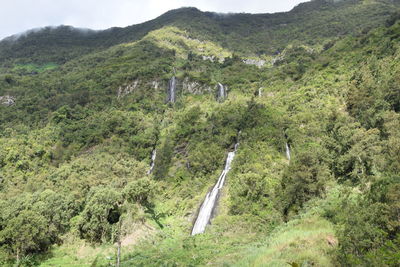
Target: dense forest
{"type": "Point", "coordinates": [313, 100]}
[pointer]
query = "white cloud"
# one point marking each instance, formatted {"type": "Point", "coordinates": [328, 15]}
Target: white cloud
{"type": "Point", "coordinates": [20, 15]}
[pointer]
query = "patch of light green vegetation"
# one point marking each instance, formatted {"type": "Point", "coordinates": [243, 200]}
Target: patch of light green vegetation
{"type": "Point", "coordinates": [179, 40]}
{"type": "Point", "coordinates": [34, 68]}
{"type": "Point", "coordinates": [80, 254]}
{"type": "Point", "coordinates": [306, 241]}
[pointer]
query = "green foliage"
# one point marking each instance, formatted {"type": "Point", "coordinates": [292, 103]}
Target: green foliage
{"type": "Point", "coordinates": [26, 233]}
{"type": "Point", "coordinates": [84, 131]}
{"type": "Point", "coordinates": [140, 191]}
{"type": "Point", "coordinates": [75, 146]}
{"type": "Point", "coordinates": [304, 179]}
{"type": "Point", "coordinates": [31, 223]}
{"type": "Point", "coordinates": [204, 158]}
{"type": "Point", "coordinates": [302, 242]}
{"type": "Point", "coordinates": [370, 225]}
{"type": "Point", "coordinates": [101, 212]}
{"type": "Point", "coordinates": [392, 146]}
{"type": "Point", "coordinates": [33, 68]}
{"type": "Point", "coordinates": [387, 255]}
{"type": "Point", "coordinates": [258, 34]}
{"type": "Point", "coordinates": [163, 160]}
{"type": "Point", "coordinates": [355, 152]}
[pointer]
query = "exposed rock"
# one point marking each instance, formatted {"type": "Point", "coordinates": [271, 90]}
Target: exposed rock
{"type": "Point", "coordinates": [211, 58]}
{"type": "Point", "coordinates": [7, 100]}
{"type": "Point", "coordinates": [257, 62]}
{"type": "Point", "coordinates": [155, 84]}
{"type": "Point", "coordinates": [277, 59]}
{"type": "Point", "coordinates": [123, 91]}
{"type": "Point", "coordinates": [195, 87]}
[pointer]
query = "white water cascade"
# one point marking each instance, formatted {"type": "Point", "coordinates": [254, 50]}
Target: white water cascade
{"type": "Point", "coordinates": [222, 92]}
{"type": "Point", "coordinates": [172, 90]}
{"type": "Point", "coordinates": [209, 203]}
{"type": "Point", "coordinates": [153, 159]}
{"type": "Point", "coordinates": [287, 151]}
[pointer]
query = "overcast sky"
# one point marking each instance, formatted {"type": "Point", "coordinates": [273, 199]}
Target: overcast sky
{"type": "Point", "coordinates": [17, 16]}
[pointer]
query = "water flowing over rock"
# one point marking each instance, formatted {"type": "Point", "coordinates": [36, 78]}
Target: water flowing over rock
{"type": "Point", "coordinates": [7, 100]}
{"type": "Point", "coordinates": [287, 151]}
{"type": "Point", "coordinates": [153, 159]}
{"type": "Point", "coordinates": [210, 201]}
{"type": "Point", "coordinates": [260, 92]}
{"type": "Point", "coordinates": [222, 92]}
{"type": "Point", "coordinates": [172, 90]}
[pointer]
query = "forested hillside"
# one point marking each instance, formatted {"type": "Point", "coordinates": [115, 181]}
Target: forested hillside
{"type": "Point", "coordinates": [312, 98]}
{"type": "Point", "coordinates": [311, 23]}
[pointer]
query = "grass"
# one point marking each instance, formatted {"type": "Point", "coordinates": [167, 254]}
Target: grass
{"type": "Point", "coordinates": [79, 254]}
{"type": "Point", "coordinates": [307, 241]}
{"type": "Point", "coordinates": [229, 241]}
{"type": "Point", "coordinates": [32, 68]}
{"type": "Point", "coordinates": [222, 244]}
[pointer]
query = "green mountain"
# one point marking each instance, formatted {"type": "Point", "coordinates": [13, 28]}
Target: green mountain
{"type": "Point", "coordinates": [117, 138]}
{"type": "Point", "coordinates": [310, 23]}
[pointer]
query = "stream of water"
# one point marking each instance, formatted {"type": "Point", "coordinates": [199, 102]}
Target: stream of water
{"type": "Point", "coordinates": [210, 201]}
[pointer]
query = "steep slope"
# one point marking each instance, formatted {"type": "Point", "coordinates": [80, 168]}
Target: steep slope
{"type": "Point", "coordinates": [76, 144]}
{"type": "Point", "coordinates": [246, 34]}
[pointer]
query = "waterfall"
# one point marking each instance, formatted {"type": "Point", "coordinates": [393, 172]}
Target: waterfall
{"type": "Point", "coordinates": [222, 92]}
{"type": "Point", "coordinates": [153, 159]}
{"type": "Point", "coordinates": [209, 203]}
{"type": "Point", "coordinates": [287, 151]}
{"type": "Point", "coordinates": [260, 92]}
{"type": "Point", "coordinates": [172, 90]}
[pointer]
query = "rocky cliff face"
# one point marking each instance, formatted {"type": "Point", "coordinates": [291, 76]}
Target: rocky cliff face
{"type": "Point", "coordinates": [126, 90]}
{"type": "Point", "coordinates": [195, 87]}
{"type": "Point", "coordinates": [7, 100]}
{"type": "Point", "coordinates": [259, 63]}
{"type": "Point", "coordinates": [187, 85]}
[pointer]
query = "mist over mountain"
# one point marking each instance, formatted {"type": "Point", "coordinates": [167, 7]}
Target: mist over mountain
{"type": "Point", "coordinates": [309, 23]}
{"type": "Point", "coordinates": [200, 138]}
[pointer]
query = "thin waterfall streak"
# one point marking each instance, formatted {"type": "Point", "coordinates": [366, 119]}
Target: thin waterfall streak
{"type": "Point", "coordinates": [210, 200]}
{"type": "Point", "coordinates": [222, 92]}
{"type": "Point", "coordinates": [153, 159]}
{"type": "Point", "coordinates": [172, 90]}
{"type": "Point", "coordinates": [287, 151]}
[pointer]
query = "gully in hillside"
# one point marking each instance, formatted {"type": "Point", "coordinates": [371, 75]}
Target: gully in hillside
{"type": "Point", "coordinates": [210, 201]}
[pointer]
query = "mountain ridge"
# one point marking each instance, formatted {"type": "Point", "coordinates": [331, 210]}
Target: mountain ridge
{"type": "Point", "coordinates": [251, 34]}
{"type": "Point", "coordinates": [121, 143]}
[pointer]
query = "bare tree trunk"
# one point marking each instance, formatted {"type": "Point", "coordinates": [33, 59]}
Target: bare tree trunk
{"type": "Point", "coordinates": [119, 253]}
{"type": "Point", "coordinates": [119, 244]}
{"type": "Point", "coordinates": [17, 256]}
